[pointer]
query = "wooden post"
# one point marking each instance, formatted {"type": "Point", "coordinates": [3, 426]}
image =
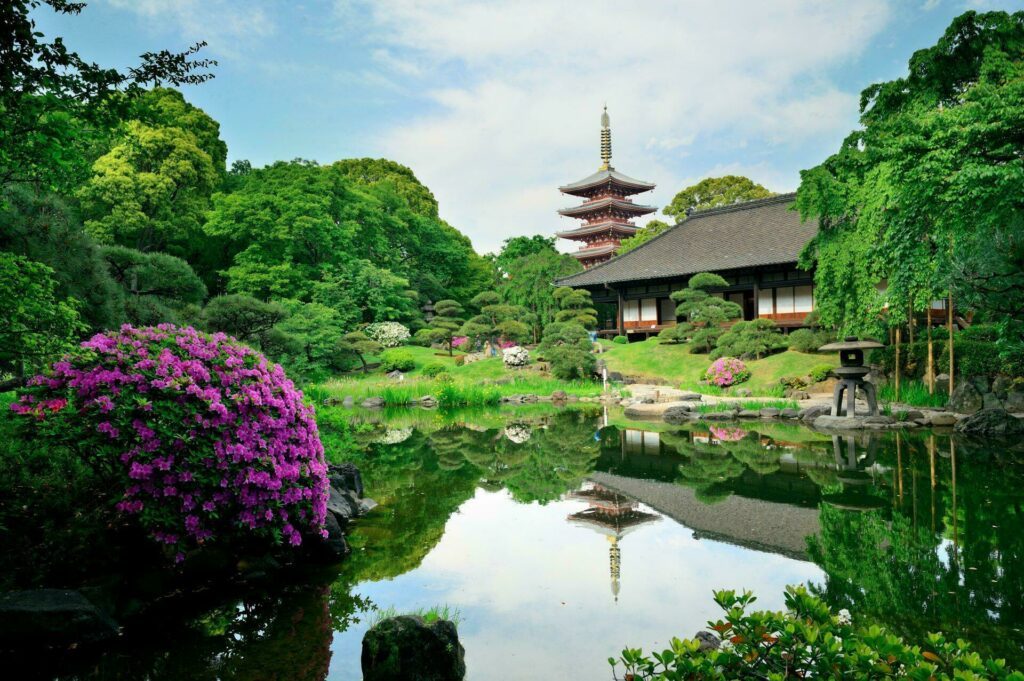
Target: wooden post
{"type": "Point", "coordinates": [897, 382]}
{"type": "Point", "coordinates": [949, 325]}
{"type": "Point", "coordinates": [621, 327]}
{"type": "Point", "coordinates": [910, 325]}
{"type": "Point", "coordinates": [930, 376]}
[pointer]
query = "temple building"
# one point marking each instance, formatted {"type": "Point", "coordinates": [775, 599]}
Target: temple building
{"type": "Point", "coordinates": [754, 246]}
{"type": "Point", "coordinates": [607, 211]}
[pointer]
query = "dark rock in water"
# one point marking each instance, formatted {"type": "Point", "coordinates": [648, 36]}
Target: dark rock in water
{"type": "Point", "coordinates": [333, 548]}
{"type": "Point", "coordinates": [913, 415]}
{"type": "Point", "coordinates": [790, 413]}
{"type": "Point", "coordinates": [559, 396]}
{"type": "Point", "coordinates": [331, 402]}
{"type": "Point", "coordinates": [678, 414]}
{"type": "Point", "coordinates": [615, 376]}
{"type": "Point", "coordinates": [343, 505]}
{"type": "Point", "coordinates": [1014, 401]}
{"type": "Point", "coordinates": [769, 412]}
{"type": "Point", "coordinates": [373, 402]}
{"type": "Point", "coordinates": [428, 401]}
{"type": "Point", "coordinates": [991, 422]}
{"type": "Point", "coordinates": [718, 416]}
{"type": "Point", "coordinates": [1002, 385]}
{"type": "Point", "coordinates": [991, 401]}
{"type": "Point", "coordinates": [749, 414]}
{"type": "Point", "coordinates": [708, 641]}
{"type": "Point", "coordinates": [966, 399]}
{"type": "Point", "coordinates": [690, 397]}
{"type": "Point", "coordinates": [346, 477]}
{"type": "Point", "coordinates": [52, 617]}
{"type": "Point", "coordinates": [405, 648]}
{"type": "Point", "coordinates": [811, 413]}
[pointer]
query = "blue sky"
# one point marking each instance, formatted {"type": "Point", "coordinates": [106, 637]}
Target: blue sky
{"type": "Point", "coordinates": [495, 104]}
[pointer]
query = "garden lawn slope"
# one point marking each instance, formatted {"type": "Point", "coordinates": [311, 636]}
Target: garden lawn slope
{"type": "Point", "coordinates": [675, 364]}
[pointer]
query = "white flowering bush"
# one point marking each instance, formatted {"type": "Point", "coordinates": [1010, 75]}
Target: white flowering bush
{"type": "Point", "coordinates": [518, 432]}
{"type": "Point", "coordinates": [394, 436]}
{"type": "Point", "coordinates": [515, 356]}
{"type": "Point", "coordinates": [388, 334]}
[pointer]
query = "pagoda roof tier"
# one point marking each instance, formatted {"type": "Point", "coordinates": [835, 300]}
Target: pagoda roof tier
{"type": "Point", "coordinates": [609, 177]}
{"type": "Point", "coordinates": [587, 230]}
{"type": "Point", "coordinates": [608, 201]}
{"type": "Point", "coordinates": [585, 253]}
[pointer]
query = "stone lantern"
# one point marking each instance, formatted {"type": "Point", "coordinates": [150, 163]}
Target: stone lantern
{"type": "Point", "coordinates": [428, 311]}
{"type": "Point", "coordinates": [851, 375]}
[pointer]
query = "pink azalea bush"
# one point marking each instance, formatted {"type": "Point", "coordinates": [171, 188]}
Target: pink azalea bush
{"type": "Point", "coordinates": [459, 341]}
{"type": "Point", "coordinates": [726, 371]}
{"type": "Point", "coordinates": [203, 437]}
{"type": "Point", "coordinates": [728, 434]}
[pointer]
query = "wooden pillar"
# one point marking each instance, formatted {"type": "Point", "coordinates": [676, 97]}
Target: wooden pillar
{"type": "Point", "coordinates": [930, 376]}
{"type": "Point", "coordinates": [897, 362]}
{"type": "Point", "coordinates": [949, 326]}
{"type": "Point", "coordinates": [621, 327]}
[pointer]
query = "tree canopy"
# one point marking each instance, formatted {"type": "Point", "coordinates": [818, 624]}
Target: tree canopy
{"type": "Point", "coordinates": [712, 192]}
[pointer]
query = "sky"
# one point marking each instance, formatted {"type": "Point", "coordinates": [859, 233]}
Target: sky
{"type": "Point", "coordinates": [496, 104]}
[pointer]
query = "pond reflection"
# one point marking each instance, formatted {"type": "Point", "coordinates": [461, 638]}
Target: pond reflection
{"type": "Point", "coordinates": [562, 536]}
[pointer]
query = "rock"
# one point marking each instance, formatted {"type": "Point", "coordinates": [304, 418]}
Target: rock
{"type": "Point", "coordinates": [689, 397]}
{"type": "Point", "coordinates": [333, 548]}
{"type": "Point", "coordinates": [769, 412]}
{"type": "Point", "coordinates": [1014, 401]}
{"type": "Point", "coordinates": [681, 413]}
{"type": "Point", "coordinates": [913, 415]}
{"type": "Point", "coordinates": [428, 401]}
{"type": "Point", "coordinates": [991, 401]}
{"type": "Point", "coordinates": [811, 413]}
{"type": "Point", "coordinates": [980, 383]}
{"type": "Point", "coordinates": [966, 399]}
{"type": "Point", "coordinates": [991, 422]}
{"type": "Point", "coordinates": [366, 505]}
{"type": "Point", "coordinates": [718, 416]}
{"type": "Point", "coordinates": [343, 505]}
{"type": "Point", "coordinates": [331, 402]}
{"type": "Point", "coordinates": [743, 392]}
{"type": "Point", "coordinates": [839, 422]}
{"type": "Point", "coordinates": [748, 414]}
{"type": "Point", "coordinates": [942, 419]}
{"type": "Point", "coordinates": [789, 413]}
{"type": "Point", "coordinates": [373, 403]}
{"type": "Point", "coordinates": [348, 402]}
{"type": "Point", "coordinates": [942, 384]}
{"type": "Point", "coordinates": [708, 641]}
{"type": "Point", "coordinates": [395, 375]}
{"type": "Point", "coordinates": [878, 420]}
{"type": "Point", "coordinates": [799, 395]}
{"type": "Point", "coordinates": [530, 398]}
{"type": "Point", "coordinates": [346, 476]}
{"type": "Point", "coordinates": [1001, 385]}
{"type": "Point", "coordinates": [52, 617]}
{"type": "Point", "coordinates": [615, 376]}
{"type": "Point", "coordinates": [405, 648]}
{"type": "Point", "coordinates": [559, 396]}
{"type": "Point", "coordinates": [573, 398]}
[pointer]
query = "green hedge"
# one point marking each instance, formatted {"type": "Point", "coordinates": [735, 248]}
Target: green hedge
{"type": "Point", "coordinates": [621, 340]}
{"type": "Point", "coordinates": [972, 358]}
{"type": "Point", "coordinates": [397, 359]}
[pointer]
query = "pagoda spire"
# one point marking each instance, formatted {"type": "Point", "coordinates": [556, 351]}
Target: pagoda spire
{"type": "Point", "coordinates": [606, 140]}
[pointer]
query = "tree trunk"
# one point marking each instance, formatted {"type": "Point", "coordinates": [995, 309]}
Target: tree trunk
{"type": "Point", "coordinates": [949, 326]}
{"type": "Point", "coordinates": [930, 376]}
{"type": "Point", "coordinates": [363, 360]}
{"type": "Point", "coordinates": [897, 383]}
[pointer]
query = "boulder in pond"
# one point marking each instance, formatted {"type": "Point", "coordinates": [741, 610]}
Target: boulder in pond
{"type": "Point", "coordinates": [346, 476]}
{"type": "Point", "coordinates": [1015, 401]}
{"type": "Point", "coordinates": [681, 413]}
{"type": "Point", "coordinates": [941, 418]}
{"type": "Point", "coordinates": [52, 617]}
{"type": "Point", "coordinates": [405, 648]}
{"type": "Point", "coordinates": [559, 396]}
{"type": "Point", "coordinates": [966, 399]}
{"type": "Point", "coordinates": [992, 423]}
{"type": "Point", "coordinates": [769, 412]}
{"type": "Point", "coordinates": [373, 403]}
{"type": "Point", "coordinates": [811, 413]}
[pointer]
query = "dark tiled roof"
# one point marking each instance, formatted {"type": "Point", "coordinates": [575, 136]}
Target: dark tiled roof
{"type": "Point", "coordinates": [762, 232]}
{"type": "Point", "coordinates": [607, 175]}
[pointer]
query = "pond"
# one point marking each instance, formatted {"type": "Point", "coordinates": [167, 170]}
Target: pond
{"type": "Point", "coordinates": [561, 536]}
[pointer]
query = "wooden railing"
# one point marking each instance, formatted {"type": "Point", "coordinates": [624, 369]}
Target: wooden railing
{"type": "Point", "coordinates": [647, 325]}
{"type": "Point", "coordinates": [785, 317]}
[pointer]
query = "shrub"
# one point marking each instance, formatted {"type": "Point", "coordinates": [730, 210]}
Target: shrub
{"type": "Point", "coordinates": [806, 641]}
{"type": "Point", "coordinates": [809, 340]}
{"type": "Point", "coordinates": [819, 372]}
{"type": "Point", "coordinates": [397, 359]}
{"type": "Point", "coordinates": [567, 346]}
{"type": "Point", "coordinates": [753, 339]}
{"type": "Point", "coordinates": [515, 357]}
{"type": "Point", "coordinates": [726, 371]}
{"type": "Point", "coordinates": [971, 358]}
{"type": "Point", "coordinates": [200, 437]}
{"type": "Point", "coordinates": [621, 340]}
{"type": "Point", "coordinates": [434, 370]}
{"type": "Point", "coordinates": [388, 334]}
{"type": "Point", "coordinates": [460, 360]}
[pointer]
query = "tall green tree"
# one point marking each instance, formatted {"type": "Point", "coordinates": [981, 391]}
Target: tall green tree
{"type": "Point", "coordinates": [712, 192]}
{"type": "Point", "coordinates": [516, 247]}
{"type": "Point", "coordinates": [646, 233]}
{"type": "Point", "coordinates": [700, 313]}
{"type": "Point", "coordinates": [445, 325]}
{"type": "Point", "coordinates": [495, 320]}
{"type": "Point", "coordinates": [575, 306]}
{"type": "Point", "coordinates": [246, 318]}
{"type": "Point", "coordinates": [530, 284]}
{"type": "Point", "coordinates": [157, 287]}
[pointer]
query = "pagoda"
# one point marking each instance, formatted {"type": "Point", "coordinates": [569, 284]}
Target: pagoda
{"type": "Point", "coordinates": [607, 211]}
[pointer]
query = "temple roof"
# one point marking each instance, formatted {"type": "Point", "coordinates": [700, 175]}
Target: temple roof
{"type": "Point", "coordinates": [593, 252]}
{"type": "Point", "coordinates": [762, 232]}
{"type": "Point", "coordinates": [620, 204]}
{"type": "Point", "coordinates": [607, 176]}
{"type": "Point", "coordinates": [597, 228]}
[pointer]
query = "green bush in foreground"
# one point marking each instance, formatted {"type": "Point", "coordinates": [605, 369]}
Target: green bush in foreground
{"type": "Point", "coordinates": [806, 641]}
{"type": "Point", "coordinates": [397, 359]}
{"type": "Point", "coordinates": [621, 340]}
{"type": "Point", "coordinates": [435, 369]}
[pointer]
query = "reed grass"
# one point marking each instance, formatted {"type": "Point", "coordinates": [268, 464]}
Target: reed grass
{"type": "Point", "coordinates": [912, 393]}
{"type": "Point", "coordinates": [751, 405]}
{"type": "Point", "coordinates": [429, 615]}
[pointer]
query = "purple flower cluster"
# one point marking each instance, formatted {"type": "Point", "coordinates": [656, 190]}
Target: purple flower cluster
{"type": "Point", "coordinates": [207, 437]}
{"type": "Point", "coordinates": [726, 371]}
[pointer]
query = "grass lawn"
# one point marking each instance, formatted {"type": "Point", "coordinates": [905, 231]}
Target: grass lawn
{"type": "Point", "coordinates": [675, 364]}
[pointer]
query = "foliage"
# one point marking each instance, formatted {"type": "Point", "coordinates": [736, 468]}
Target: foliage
{"type": "Point", "coordinates": [446, 323]}
{"type": "Point", "coordinates": [529, 285]}
{"type": "Point", "coordinates": [360, 345]}
{"type": "Point", "coordinates": [388, 334]}
{"type": "Point", "coordinates": [645, 234]}
{"type": "Point", "coordinates": [307, 338]}
{"type": "Point", "coordinates": [434, 370]}
{"type": "Point", "coordinates": [517, 247]}
{"type": "Point", "coordinates": [429, 615]}
{"type": "Point", "coordinates": [701, 313]}
{"type": "Point", "coordinates": [515, 357]}
{"type": "Point", "coordinates": [242, 317]}
{"type": "Point", "coordinates": [495, 321]}
{"type": "Point", "coordinates": [171, 418]}
{"type": "Point", "coordinates": [750, 340]}
{"type": "Point", "coordinates": [567, 346]}
{"type": "Point", "coordinates": [921, 196]}
{"type": "Point", "coordinates": [36, 326]}
{"type": "Point", "coordinates": [621, 340]}
{"type": "Point", "coordinates": [575, 307]}
{"type": "Point", "coordinates": [727, 371]}
{"type": "Point", "coordinates": [57, 107]}
{"type": "Point", "coordinates": [809, 340]}
{"type": "Point", "coordinates": [971, 358]}
{"type": "Point", "coordinates": [157, 287]}
{"type": "Point", "coordinates": [807, 640]}
{"type": "Point", "coordinates": [712, 192]}
{"type": "Point", "coordinates": [397, 359]}
{"type": "Point", "coordinates": [914, 393]}
{"type": "Point", "coordinates": [819, 372]}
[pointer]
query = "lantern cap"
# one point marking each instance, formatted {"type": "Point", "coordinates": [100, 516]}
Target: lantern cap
{"type": "Point", "coordinates": [851, 343]}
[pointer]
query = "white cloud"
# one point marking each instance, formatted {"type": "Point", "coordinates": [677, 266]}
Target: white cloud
{"type": "Point", "coordinates": [511, 92]}
{"type": "Point", "coordinates": [224, 24]}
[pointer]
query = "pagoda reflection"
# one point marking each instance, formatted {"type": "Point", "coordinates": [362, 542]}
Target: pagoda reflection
{"type": "Point", "coordinates": [613, 515]}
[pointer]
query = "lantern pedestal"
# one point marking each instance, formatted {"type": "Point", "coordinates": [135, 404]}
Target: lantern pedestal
{"type": "Point", "coordinates": [851, 376]}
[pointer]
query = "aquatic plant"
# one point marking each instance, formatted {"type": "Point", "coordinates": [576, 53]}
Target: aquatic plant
{"type": "Point", "coordinates": [201, 437]}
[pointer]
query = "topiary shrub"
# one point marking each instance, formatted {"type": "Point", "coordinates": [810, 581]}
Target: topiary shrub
{"type": "Point", "coordinates": [753, 339]}
{"type": "Point", "coordinates": [397, 359]}
{"type": "Point", "coordinates": [567, 346]}
{"type": "Point", "coordinates": [726, 371]}
{"type": "Point", "coordinates": [820, 372]}
{"type": "Point", "coordinates": [621, 340]}
{"type": "Point", "coordinates": [199, 438]}
{"type": "Point", "coordinates": [388, 334]}
{"type": "Point", "coordinates": [806, 641]}
{"type": "Point", "coordinates": [434, 370]}
{"type": "Point", "coordinates": [809, 340]}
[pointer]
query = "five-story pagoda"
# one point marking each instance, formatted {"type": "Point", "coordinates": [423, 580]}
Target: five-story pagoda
{"type": "Point", "coordinates": [607, 211]}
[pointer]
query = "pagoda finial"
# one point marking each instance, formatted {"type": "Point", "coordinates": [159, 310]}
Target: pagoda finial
{"type": "Point", "coordinates": [606, 140]}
